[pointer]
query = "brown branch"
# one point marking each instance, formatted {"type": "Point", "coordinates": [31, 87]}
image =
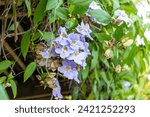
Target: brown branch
{"type": "Point", "coordinates": [15, 20]}
{"type": "Point", "coordinates": [13, 54]}
{"type": "Point", "coordinates": [3, 2]}
{"type": "Point", "coordinates": [11, 15]}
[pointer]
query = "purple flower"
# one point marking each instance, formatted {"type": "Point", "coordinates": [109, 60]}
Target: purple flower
{"type": "Point", "coordinates": [64, 51]}
{"type": "Point", "coordinates": [78, 57]}
{"type": "Point", "coordinates": [56, 92]}
{"type": "Point", "coordinates": [48, 53]}
{"type": "Point", "coordinates": [86, 50]}
{"type": "Point", "coordinates": [69, 70]}
{"type": "Point", "coordinates": [62, 32]}
{"type": "Point", "coordinates": [94, 5]}
{"type": "Point", "coordinates": [84, 30]}
{"type": "Point", "coordinates": [126, 84]}
{"type": "Point", "coordinates": [122, 16]}
{"type": "Point", "coordinates": [61, 41]}
{"type": "Point", "coordinates": [75, 42]}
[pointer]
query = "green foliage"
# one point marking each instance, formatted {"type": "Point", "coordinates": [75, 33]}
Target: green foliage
{"type": "Point", "coordinates": [13, 87]}
{"type": "Point", "coordinates": [28, 5]}
{"type": "Point", "coordinates": [40, 11]}
{"type": "Point", "coordinates": [3, 93]}
{"type": "Point", "coordinates": [29, 71]}
{"type": "Point", "coordinates": [25, 43]}
{"type": "Point", "coordinates": [5, 65]}
{"type": "Point", "coordinates": [51, 4]}
{"type": "Point", "coordinates": [62, 13]}
{"type": "Point", "coordinates": [80, 2]}
{"type": "Point", "coordinates": [115, 57]}
{"type": "Point", "coordinates": [101, 16]}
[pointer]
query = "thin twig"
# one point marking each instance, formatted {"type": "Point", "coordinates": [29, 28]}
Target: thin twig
{"type": "Point", "coordinates": [22, 14]}
{"type": "Point", "coordinates": [15, 20]}
{"type": "Point", "coordinates": [13, 54]}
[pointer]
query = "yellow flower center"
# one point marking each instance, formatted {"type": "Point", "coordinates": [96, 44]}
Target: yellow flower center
{"type": "Point", "coordinates": [65, 48]}
{"type": "Point", "coordinates": [68, 68]}
{"type": "Point", "coordinates": [80, 29]}
{"type": "Point", "coordinates": [74, 42]}
{"type": "Point", "coordinates": [64, 35]}
{"type": "Point", "coordinates": [76, 54]}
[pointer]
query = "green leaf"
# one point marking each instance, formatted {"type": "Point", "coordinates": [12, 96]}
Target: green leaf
{"type": "Point", "coordinates": [85, 73]}
{"type": "Point", "coordinates": [48, 36]}
{"type": "Point", "coordinates": [51, 4]}
{"type": "Point", "coordinates": [129, 58]}
{"type": "Point", "coordinates": [5, 65]}
{"type": "Point", "coordinates": [35, 36]}
{"type": "Point", "coordinates": [28, 5]}
{"type": "Point", "coordinates": [80, 2]}
{"type": "Point", "coordinates": [101, 16]}
{"type": "Point", "coordinates": [13, 87]}
{"type": "Point", "coordinates": [104, 76]}
{"type": "Point", "coordinates": [52, 18]}
{"type": "Point", "coordinates": [119, 33]}
{"type": "Point", "coordinates": [116, 4]}
{"type": "Point", "coordinates": [2, 79]}
{"type": "Point", "coordinates": [95, 55]}
{"type": "Point", "coordinates": [29, 70]}
{"type": "Point", "coordinates": [62, 13]}
{"type": "Point", "coordinates": [79, 10]}
{"type": "Point", "coordinates": [11, 28]}
{"type": "Point", "coordinates": [75, 93]}
{"type": "Point", "coordinates": [71, 23]}
{"type": "Point", "coordinates": [3, 93]}
{"type": "Point", "coordinates": [19, 2]}
{"type": "Point", "coordinates": [102, 36]}
{"type": "Point", "coordinates": [25, 43]}
{"type": "Point", "coordinates": [10, 76]}
{"type": "Point", "coordinates": [39, 11]}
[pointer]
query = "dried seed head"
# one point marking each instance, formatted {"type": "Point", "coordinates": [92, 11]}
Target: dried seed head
{"type": "Point", "coordinates": [40, 47]}
{"type": "Point", "coordinates": [118, 69]}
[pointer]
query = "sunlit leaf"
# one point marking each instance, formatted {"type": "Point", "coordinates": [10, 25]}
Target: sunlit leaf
{"type": "Point", "coordinates": [80, 2]}
{"type": "Point", "coordinates": [51, 4]}
{"type": "Point", "coordinates": [62, 13]}
{"type": "Point", "coordinates": [101, 16]}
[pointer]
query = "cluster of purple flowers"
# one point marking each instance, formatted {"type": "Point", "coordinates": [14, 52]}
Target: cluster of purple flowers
{"type": "Point", "coordinates": [72, 49]}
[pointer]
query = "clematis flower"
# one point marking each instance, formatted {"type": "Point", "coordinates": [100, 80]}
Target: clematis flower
{"type": "Point", "coordinates": [75, 42]}
{"type": "Point", "coordinates": [56, 92]}
{"type": "Point", "coordinates": [84, 30]}
{"type": "Point", "coordinates": [69, 70]}
{"type": "Point", "coordinates": [64, 51]}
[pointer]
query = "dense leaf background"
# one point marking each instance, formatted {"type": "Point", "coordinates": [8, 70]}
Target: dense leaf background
{"type": "Point", "coordinates": [102, 78]}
